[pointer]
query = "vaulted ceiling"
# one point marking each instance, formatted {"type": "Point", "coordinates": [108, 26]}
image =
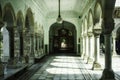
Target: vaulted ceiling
{"type": "Point", "coordinates": [68, 7]}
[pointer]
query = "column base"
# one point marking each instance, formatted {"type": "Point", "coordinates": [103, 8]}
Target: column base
{"type": "Point", "coordinates": [114, 54]}
{"type": "Point", "coordinates": [84, 56]}
{"type": "Point", "coordinates": [108, 74]}
{"type": "Point", "coordinates": [96, 65]}
{"type": "Point", "coordinates": [89, 60]}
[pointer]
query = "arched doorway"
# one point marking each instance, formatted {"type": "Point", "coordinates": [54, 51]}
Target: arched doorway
{"type": "Point", "coordinates": [62, 38]}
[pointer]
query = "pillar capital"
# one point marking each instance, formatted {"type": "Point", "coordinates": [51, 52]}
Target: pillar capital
{"type": "Point", "coordinates": [97, 30]}
{"type": "Point", "coordinates": [90, 34]}
{"type": "Point", "coordinates": [108, 26]}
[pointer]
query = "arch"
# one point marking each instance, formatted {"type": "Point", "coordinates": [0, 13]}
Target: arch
{"type": "Point", "coordinates": [20, 25]}
{"type": "Point", "coordinates": [90, 19]}
{"type": "Point", "coordinates": [20, 21]}
{"type": "Point", "coordinates": [29, 20]}
{"type": "Point", "coordinates": [29, 32]}
{"type": "Point", "coordinates": [54, 34]}
{"type": "Point", "coordinates": [9, 15]}
{"type": "Point", "coordinates": [10, 19]}
{"type": "Point", "coordinates": [98, 13]}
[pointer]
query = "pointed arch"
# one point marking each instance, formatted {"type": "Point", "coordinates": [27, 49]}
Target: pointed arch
{"type": "Point", "coordinates": [29, 20]}
{"type": "Point", "coordinates": [98, 13]}
{"type": "Point", "coordinates": [9, 15]}
{"type": "Point", "coordinates": [20, 21]}
{"type": "Point", "coordinates": [20, 25]}
{"type": "Point", "coordinates": [90, 19]}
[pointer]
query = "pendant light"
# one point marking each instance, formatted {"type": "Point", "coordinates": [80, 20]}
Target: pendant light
{"type": "Point", "coordinates": [59, 19]}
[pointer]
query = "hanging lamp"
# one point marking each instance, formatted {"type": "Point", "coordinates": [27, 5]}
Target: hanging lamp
{"type": "Point", "coordinates": [59, 19]}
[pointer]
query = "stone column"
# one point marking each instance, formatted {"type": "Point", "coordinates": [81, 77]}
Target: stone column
{"type": "Point", "coordinates": [35, 45]}
{"type": "Point", "coordinates": [1, 64]}
{"type": "Point", "coordinates": [96, 64]}
{"type": "Point", "coordinates": [87, 46]}
{"type": "Point", "coordinates": [108, 73]}
{"type": "Point", "coordinates": [83, 46]}
{"type": "Point", "coordinates": [90, 49]}
{"type": "Point", "coordinates": [97, 31]}
{"type": "Point", "coordinates": [38, 44]}
{"type": "Point", "coordinates": [32, 44]}
{"type": "Point", "coordinates": [114, 46]}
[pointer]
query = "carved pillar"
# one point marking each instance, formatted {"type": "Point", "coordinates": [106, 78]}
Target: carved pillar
{"type": "Point", "coordinates": [96, 64]}
{"type": "Point", "coordinates": [108, 73]}
{"type": "Point", "coordinates": [97, 31]}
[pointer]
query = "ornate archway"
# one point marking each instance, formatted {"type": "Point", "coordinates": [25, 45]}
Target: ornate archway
{"type": "Point", "coordinates": [62, 38]}
{"type": "Point", "coordinates": [9, 18]}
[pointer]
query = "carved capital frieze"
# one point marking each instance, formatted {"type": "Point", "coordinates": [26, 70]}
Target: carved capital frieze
{"type": "Point", "coordinates": [108, 26]}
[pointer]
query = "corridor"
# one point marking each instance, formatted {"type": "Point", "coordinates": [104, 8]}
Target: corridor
{"type": "Point", "coordinates": [34, 34]}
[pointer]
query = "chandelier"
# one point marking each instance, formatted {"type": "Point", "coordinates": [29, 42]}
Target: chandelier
{"type": "Point", "coordinates": [59, 19]}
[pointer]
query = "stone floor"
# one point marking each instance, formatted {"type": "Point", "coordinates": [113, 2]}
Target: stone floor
{"type": "Point", "coordinates": [72, 68]}
{"type": "Point", "coordinates": [66, 68]}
